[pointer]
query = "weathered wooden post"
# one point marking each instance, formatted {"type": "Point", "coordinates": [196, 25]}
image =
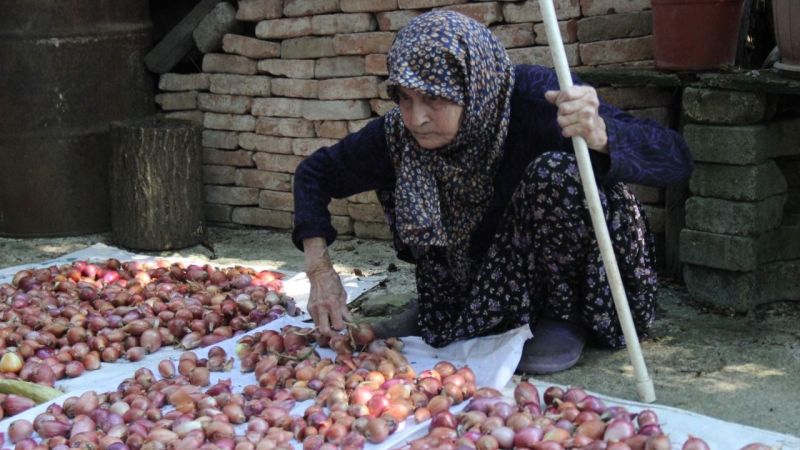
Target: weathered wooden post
{"type": "Point", "coordinates": [156, 185]}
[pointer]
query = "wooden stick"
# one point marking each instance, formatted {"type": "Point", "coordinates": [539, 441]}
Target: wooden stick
{"type": "Point", "coordinates": [643, 382]}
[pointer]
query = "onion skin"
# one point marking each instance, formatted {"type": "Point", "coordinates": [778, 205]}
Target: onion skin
{"type": "Point", "coordinates": [756, 446]}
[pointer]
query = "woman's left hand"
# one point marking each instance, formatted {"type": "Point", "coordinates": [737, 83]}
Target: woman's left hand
{"type": "Point", "coordinates": [579, 115]}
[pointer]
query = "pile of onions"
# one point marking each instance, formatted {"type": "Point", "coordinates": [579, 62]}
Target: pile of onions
{"type": "Point", "coordinates": [61, 321]}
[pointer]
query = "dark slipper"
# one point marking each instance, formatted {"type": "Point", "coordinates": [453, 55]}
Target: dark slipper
{"type": "Point", "coordinates": [404, 323]}
{"type": "Point", "coordinates": [556, 345]}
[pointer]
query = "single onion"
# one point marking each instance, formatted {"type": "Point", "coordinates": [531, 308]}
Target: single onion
{"type": "Point", "coordinates": [695, 443]}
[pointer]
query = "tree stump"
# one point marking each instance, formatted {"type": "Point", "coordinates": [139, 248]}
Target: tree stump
{"type": "Point", "coordinates": [156, 186]}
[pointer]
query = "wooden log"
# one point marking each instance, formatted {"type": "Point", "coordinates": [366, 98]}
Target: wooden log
{"type": "Point", "coordinates": [156, 185]}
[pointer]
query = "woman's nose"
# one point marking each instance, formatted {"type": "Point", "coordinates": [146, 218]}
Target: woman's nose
{"type": "Point", "coordinates": [419, 116]}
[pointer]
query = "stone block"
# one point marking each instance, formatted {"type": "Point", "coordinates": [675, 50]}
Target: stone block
{"type": "Point", "coordinates": [716, 106]}
{"type": "Point", "coordinates": [363, 43]}
{"type": "Point", "coordinates": [269, 144]}
{"type": "Point", "coordinates": [735, 290]}
{"type": "Point", "coordinates": [568, 29]}
{"type": "Point", "coordinates": [176, 101]}
{"type": "Point", "coordinates": [542, 56]}
{"type": "Point", "coordinates": [233, 122]}
{"type": "Point", "coordinates": [746, 183]}
{"type": "Point", "coordinates": [615, 26]}
{"type": "Point", "coordinates": [364, 197]}
{"type": "Point", "coordinates": [284, 28]}
{"type": "Point", "coordinates": [791, 171]}
{"type": "Point", "coordinates": [375, 64]}
{"type": "Point", "coordinates": [366, 212]}
{"type": "Point", "coordinates": [192, 116]}
{"type": "Point", "coordinates": [338, 207]}
{"type": "Point", "coordinates": [282, 87]}
{"type": "Point", "coordinates": [617, 51]}
{"type": "Point", "coordinates": [307, 146]}
{"type": "Point", "coordinates": [228, 140]}
{"type": "Point", "coordinates": [487, 13]}
{"type": "Point", "coordinates": [329, 24]}
{"type": "Point", "coordinates": [367, 5]}
{"type": "Point", "coordinates": [332, 129]}
{"type": "Point", "coordinates": [217, 213]}
{"type": "Point", "coordinates": [528, 11]}
{"type": "Point", "coordinates": [349, 88]}
{"type": "Point", "coordinates": [251, 85]}
{"type": "Point", "coordinates": [422, 4]}
{"type": "Point", "coordinates": [263, 179]}
{"type": "Point", "coordinates": [372, 230]}
{"type": "Point", "coordinates": [343, 225]}
{"type": "Point", "coordinates": [720, 251]}
{"type": "Point", "coordinates": [290, 68]}
{"type": "Point", "coordinates": [262, 218]}
{"type": "Point", "coordinates": [255, 10]}
{"type": "Point", "coordinates": [250, 47]}
{"type": "Point", "coordinates": [231, 195]}
{"type": "Point", "coordinates": [732, 217]}
{"type": "Point", "coordinates": [599, 7]}
{"type": "Point", "coordinates": [236, 158]}
{"type": "Point", "coordinates": [381, 107]}
{"type": "Point", "coordinates": [340, 66]}
{"type": "Point", "coordinates": [221, 63]}
{"type": "Point", "coordinates": [355, 125]}
{"type": "Point", "coordinates": [635, 97]}
{"type": "Point", "coordinates": [220, 21]}
{"type": "Point", "coordinates": [278, 107]}
{"type": "Point", "coordinates": [183, 82]}
{"type": "Point", "coordinates": [308, 47]}
{"type": "Point", "coordinates": [395, 20]}
{"type": "Point", "coordinates": [285, 127]}
{"type": "Point", "coordinates": [293, 8]}
{"type": "Point", "coordinates": [281, 201]}
{"type": "Point", "coordinates": [219, 174]}
{"type": "Point", "coordinates": [336, 109]}
{"type": "Point", "coordinates": [745, 144]}
{"type": "Point", "coordinates": [662, 116]}
{"type": "Point", "coordinates": [231, 104]}
{"type": "Point", "coordinates": [515, 34]}
{"type": "Point", "coordinates": [277, 163]}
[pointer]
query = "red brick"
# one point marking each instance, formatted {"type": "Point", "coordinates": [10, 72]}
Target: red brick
{"type": "Point", "coordinates": [366, 212]}
{"type": "Point", "coordinates": [263, 179]}
{"type": "Point", "coordinates": [250, 47]}
{"type": "Point", "coordinates": [281, 201]}
{"type": "Point", "coordinates": [278, 107]}
{"type": "Point", "coordinates": [617, 51]}
{"type": "Point", "coordinates": [542, 56]}
{"type": "Point", "coordinates": [307, 146]}
{"type": "Point", "coordinates": [339, 66]}
{"type": "Point", "coordinates": [394, 20]}
{"type": "Point", "coordinates": [336, 109]}
{"type": "Point", "coordinates": [383, 92]}
{"type": "Point", "coordinates": [232, 104]}
{"type": "Point", "coordinates": [269, 144]}
{"type": "Point", "coordinates": [343, 225]}
{"type": "Point", "coordinates": [183, 82]}
{"type": "Point", "coordinates": [597, 7]}
{"type": "Point", "coordinates": [277, 163]}
{"type": "Point", "coordinates": [422, 4]}
{"type": "Point", "coordinates": [192, 116]}
{"type": "Point", "coordinates": [219, 63]}
{"type": "Point", "coordinates": [528, 11]}
{"type": "Point", "coordinates": [364, 197]}
{"type": "Point", "coordinates": [285, 127]}
{"type": "Point", "coordinates": [615, 26]}
{"type": "Point", "coordinates": [332, 129]}
{"type": "Point", "coordinates": [252, 85]}
{"type": "Point", "coordinates": [375, 64]}
{"type": "Point", "coordinates": [635, 97]}
{"type": "Point", "coordinates": [515, 35]}
{"type": "Point", "coordinates": [372, 230]}
{"type": "Point", "coordinates": [343, 23]}
{"type": "Point", "coordinates": [231, 195]}
{"type": "Point", "coordinates": [262, 218]}
{"type": "Point", "coordinates": [175, 101]}
{"type": "Point", "coordinates": [253, 10]}
{"type": "Point", "coordinates": [294, 88]}
{"type": "Point", "coordinates": [237, 158]}
{"type": "Point", "coordinates": [228, 140]}
{"type": "Point", "coordinates": [290, 68]}
{"type": "Point", "coordinates": [217, 213]}
{"type": "Point", "coordinates": [293, 8]}
{"type": "Point", "coordinates": [567, 28]}
{"type": "Point", "coordinates": [308, 47]}
{"type": "Point", "coordinates": [363, 43]}
{"type": "Point", "coordinates": [381, 107]}
{"type": "Point", "coordinates": [356, 125]}
{"type": "Point", "coordinates": [284, 28]}
{"type": "Point", "coordinates": [367, 5]}
{"type": "Point", "coordinates": [338, 207]}
{"type": "Point", "coordinates": [485, 12]}
{"type": "Point", "coordinates": [219, 174]}
{"type": "Point", "coordinates": [349, 88]}
{"type": "Point", "coordinates": [233, 122]}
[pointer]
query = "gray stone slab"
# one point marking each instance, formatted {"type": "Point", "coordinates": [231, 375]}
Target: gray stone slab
{"type": "Point", "coordinates": [720, 251]}
{"type": "Point", "coordinates": [733, 217]}
{"type": "Point", "coordinates": [740, 145]}
{"type": "Point", "coordinates": [179, 41]}
{"type": "Point", "coordinates": [748, 183]}
{"type": "Point", "coordinates": [209, 32]}
{"type": "Point", "coordinates": [725, 107]}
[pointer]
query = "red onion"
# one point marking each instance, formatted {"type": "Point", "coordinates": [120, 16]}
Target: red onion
{"type": "Point", "coordinates": [618, 430]}
{"type": "Point", "coordinates": [695, 443]}
{"type": "Point", "coordinates": [660, 442]}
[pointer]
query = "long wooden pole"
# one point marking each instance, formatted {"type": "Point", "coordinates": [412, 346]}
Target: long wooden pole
{"type": "Point", "coordinates": [644, 384]}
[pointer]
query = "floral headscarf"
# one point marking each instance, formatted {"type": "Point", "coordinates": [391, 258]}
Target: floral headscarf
{"type": "Point", "coordinates": [442, 194]}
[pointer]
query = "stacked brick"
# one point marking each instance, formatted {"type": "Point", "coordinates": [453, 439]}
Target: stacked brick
{"type": "Point", "coordinates": [313, 70]}
{"type": "Point", "coordinates": [741, 244]}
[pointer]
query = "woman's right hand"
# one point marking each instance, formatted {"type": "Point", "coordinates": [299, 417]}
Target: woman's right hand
{"type": "Point", "coordinates": [327, 299]}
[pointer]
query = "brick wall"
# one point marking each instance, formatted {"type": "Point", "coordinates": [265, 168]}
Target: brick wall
{"type": "Point", "coordinates": [313, 70]}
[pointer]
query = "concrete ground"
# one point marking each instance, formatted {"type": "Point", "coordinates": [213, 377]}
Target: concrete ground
{"type": "Point", "coordinates": [744, 369]}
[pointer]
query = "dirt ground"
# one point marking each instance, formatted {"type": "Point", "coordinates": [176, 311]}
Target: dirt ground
{"type": "Point", "coordinates": [744, 369]}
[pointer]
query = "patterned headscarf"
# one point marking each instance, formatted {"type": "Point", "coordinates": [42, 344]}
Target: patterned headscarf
{"type": "Point", "coordinates": [442, 194]}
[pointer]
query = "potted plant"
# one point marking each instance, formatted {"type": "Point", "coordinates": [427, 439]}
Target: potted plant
{"type": "Point", "coordinates": [786, 23]}
{"type": "Point", "coordinates": [696, 34]}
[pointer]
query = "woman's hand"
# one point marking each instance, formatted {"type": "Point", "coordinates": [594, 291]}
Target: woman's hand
{"type": "Point", "coordinates": [578, 115]}
{"type": "Point", "coordinates": [326, 302]}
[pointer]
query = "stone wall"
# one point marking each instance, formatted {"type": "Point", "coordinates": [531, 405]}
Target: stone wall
{"type": "Point", "coordinates": [313, 70]}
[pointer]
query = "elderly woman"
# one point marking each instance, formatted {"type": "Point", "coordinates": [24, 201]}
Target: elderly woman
{"type": "Point", "coordinates": [479, 183]}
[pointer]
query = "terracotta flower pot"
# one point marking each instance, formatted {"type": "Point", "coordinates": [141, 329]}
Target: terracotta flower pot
{"type": "Point", "coordinates": [696, 34]}
{"type": "Point", "coordinates": [786, 17]}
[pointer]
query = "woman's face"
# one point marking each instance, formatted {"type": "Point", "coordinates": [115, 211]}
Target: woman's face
{"type": "Point", "coordinates": [433, 121]}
